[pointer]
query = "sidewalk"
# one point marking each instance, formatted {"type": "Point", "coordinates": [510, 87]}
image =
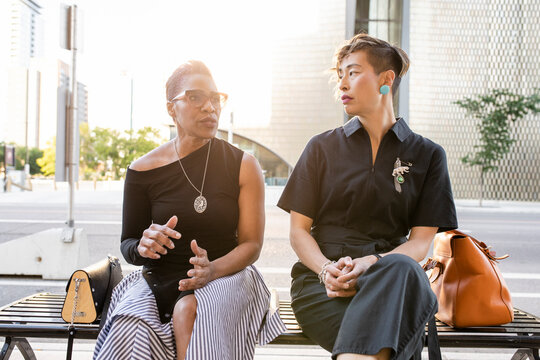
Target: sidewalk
{"type": "Point", "coordinates": [82, 350]}
{"type": "Point", "coordinates": [111, 192]}
{"type": "Point", "coordinates": [109, 195]}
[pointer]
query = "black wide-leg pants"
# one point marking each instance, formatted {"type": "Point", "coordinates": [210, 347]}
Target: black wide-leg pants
{"type": "Point", "coordinates": [393, 303]}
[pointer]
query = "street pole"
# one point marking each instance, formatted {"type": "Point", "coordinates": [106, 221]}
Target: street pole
{"type": "Point", "coordinates": [26, 118]}
{"type": "Point", "coordinates": [131, 110]}
{"type": "Point", "coordinates": [230, 138]}
{"type": "Point", "coordinates": [73, 113]}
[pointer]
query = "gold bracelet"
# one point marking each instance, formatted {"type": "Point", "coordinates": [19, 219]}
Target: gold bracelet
{"type": "Point", "coordinates": [322, 274]}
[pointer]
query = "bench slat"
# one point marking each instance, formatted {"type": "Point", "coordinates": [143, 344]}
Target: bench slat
{"type": "Point", "coordinates": [39, 315]}
{"type": "Point", "coordinates": [32, 313]}
{"type": "Point", "coordinates": [44, 305]}
{"type": "Point", "coordinates": [29, 319]}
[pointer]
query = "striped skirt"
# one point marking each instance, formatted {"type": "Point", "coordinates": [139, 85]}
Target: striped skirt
{"type": "Point", "coordinates": [233, 315]}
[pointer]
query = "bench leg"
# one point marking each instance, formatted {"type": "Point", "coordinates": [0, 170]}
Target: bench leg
{"type": "Point", "coordinates": [526, 354]}
{"type": "Point", "coordinates": [71, 336]}
{"type": "Point", "coordinates": [25, 348]}
{"type": "Point", "coordinates": [7, 349]}
{"type": "Point", "coordinates": [22, 344]}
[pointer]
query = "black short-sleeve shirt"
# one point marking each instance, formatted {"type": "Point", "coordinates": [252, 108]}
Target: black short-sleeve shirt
{"type": "Point", "coordinates": [336, 183]}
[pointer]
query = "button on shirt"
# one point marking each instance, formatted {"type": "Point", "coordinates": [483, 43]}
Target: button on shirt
{"type": "Point", "coordinates": [336, 183]}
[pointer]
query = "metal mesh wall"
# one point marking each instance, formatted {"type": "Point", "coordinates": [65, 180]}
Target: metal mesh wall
{"type": "Point", "coordinates": [461, 48]}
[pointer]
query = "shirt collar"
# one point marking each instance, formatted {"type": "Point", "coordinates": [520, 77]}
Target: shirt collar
{"type": "Point", "coordinates": [400, 128]}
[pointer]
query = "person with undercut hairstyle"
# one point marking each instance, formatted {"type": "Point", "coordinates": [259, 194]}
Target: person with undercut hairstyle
{"type": "Point", "coordinates": [366, 200]}
{"type": "Point", "coordinates": [193, 217]}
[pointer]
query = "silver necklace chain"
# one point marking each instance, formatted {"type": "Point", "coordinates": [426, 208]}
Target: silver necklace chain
{"type": "Point", "coordinates": [200, 201]}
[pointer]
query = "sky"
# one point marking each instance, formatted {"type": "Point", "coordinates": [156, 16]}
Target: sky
{"type": "Point", "coordinates": [145, 41]}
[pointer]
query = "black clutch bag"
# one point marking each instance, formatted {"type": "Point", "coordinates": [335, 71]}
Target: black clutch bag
{"type": "Point", "coordinates": [89, 292]}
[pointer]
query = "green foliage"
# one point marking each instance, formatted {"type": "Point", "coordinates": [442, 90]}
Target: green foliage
{"type": "Point", "coordinates": [496, 110]}
{"type": "Point", "coordinates": [20, 159]}
{"type": "Point", "coordinates": [2, 165]}
{"type": "Point", "coordinates": [47, 161]}
{"type": "Point", "coordinates": [106, 153]}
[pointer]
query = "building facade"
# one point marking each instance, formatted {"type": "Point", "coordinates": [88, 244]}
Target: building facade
{"type": "Point", "coordinates": [302, 97]}
{"type": "Point", "coordinates": [22, 23]}
{"type": "Point", "coordinates": [34, 85]}
{"type": "Point", "coordinates": [457, 48]}
{"type": "Point", "coordinates": [460, 49]}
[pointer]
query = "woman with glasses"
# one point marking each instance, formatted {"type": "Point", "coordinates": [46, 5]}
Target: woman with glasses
{"type": "Point", "coordinates": [355, 194]}
{"type": "Point", "coordinates": [193, 217]}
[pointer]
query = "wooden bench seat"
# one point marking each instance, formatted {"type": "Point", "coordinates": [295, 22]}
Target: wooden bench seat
{"type": "Point", "coordinates": [39, 316]}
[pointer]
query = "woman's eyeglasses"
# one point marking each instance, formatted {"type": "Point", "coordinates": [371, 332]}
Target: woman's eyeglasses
{"type": "Point", "coordinates": [198, 98]}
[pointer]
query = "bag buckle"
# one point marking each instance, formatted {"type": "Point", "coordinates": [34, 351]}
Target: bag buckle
{"type": "Point", "coordinates": [435, 268]}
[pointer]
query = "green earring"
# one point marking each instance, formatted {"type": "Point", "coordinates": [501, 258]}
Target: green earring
{"type": "Point", "coordinates": [385, 89]}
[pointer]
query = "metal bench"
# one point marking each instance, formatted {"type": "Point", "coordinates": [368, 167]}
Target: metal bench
{"type": "Point", "coordinates": [39, 316]}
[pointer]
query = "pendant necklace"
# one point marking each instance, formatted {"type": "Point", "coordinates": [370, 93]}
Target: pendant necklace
{"type": "Point", "coordinates": [200, 201]}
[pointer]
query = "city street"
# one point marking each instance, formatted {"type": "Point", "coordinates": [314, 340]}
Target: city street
{"type": "Point", "coordinates": [510, 228]}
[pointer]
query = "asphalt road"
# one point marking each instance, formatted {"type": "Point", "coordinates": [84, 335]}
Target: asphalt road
{"type": "Point", "coordinates": [510, 228]}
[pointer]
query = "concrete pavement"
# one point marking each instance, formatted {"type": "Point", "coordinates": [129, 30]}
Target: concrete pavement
{"type": "Point", "coordinates": [276, 259]}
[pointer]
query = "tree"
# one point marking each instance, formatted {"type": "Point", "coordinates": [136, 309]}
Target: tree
{"type": "Point", "coordinates": [135, 145]}
{"type": "Point", "coordinates": [106, 153]}
{"type": "Point", "coordinates": [2, 165]}
{"type": "Point", "coordinates": [88, 163]}
{"type": "Point", "coordinates": [47, 161]}
{"type": "Point", "coordinates": [496, 111]}
{"type": "Point", "coordinates": [20, 159]}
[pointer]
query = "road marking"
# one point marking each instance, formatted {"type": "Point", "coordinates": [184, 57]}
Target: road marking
{"type": "Point", "coordinates": [52, 283]}
{"type": "Point", "coordinates": [523, 276]}
{"type": "Point", "coordinates": [526, 295]}
{"type": "Point", "coordinates": [88, 222]}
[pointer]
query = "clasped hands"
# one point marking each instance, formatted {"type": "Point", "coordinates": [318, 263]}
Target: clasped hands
{"type": "Point", "coordinates": [155, 242]}
{"type": "Point", "coordinates": [341, 276]}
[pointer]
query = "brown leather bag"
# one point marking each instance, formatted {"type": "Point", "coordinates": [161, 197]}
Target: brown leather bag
{"type": "Point", "coordinates": [468, 284]}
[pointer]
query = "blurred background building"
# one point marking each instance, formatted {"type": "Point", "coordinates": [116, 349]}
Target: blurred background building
{"type": "Point", "coordinates": [463, 48]}
{"type": "Point", "coordinates": [457, 48]}
{"type": "Point", "coordinates": [35, 87]}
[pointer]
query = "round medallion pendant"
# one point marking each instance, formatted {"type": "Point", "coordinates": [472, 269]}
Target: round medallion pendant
{"type": "Point", "coordinates": [400, 179]}
{"type": "Point", "coordinates": [200, 204]}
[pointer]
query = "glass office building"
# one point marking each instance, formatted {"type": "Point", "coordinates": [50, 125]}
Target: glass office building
{"type": "Point", "coordinates": [457, 48]}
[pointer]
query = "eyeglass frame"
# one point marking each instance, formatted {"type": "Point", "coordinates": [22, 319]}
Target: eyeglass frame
{"type": "Point", "coordinates": [207, 94]}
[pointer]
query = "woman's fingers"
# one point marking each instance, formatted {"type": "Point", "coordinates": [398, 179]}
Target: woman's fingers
{"type": "Point", "coordinates": [155, 243]}
{"type": "Point", "coordinates": [345, 264]}
{"type": "Point", "coordinates": [198, 251]}
{"type": "Point", "coordinates": [157, 239]}
{"type": "Point", "coordinates": [199, 261]}
{"type": "Point", "coordinates": [146, 252]}
{"type": "Point", "coordinates": [168, 231]}
{"type": "Point", "coordinates": [352, 275]}
{"type": "Point", "coordinates": [341, 293]}
{"type": "Point", "coordinates": [360, 266]}
{"type": "Point", "coordinates": [163, 233]}
{"type": "Point", "coordinates": [189, 284]}
{"type": "Point", "coordinates": [198, 273]}
{"type": "Point", "coordinates": [198, 278]}
{"type": "Point", "coordinates": [333, 270]}
{"type": "Point", "coordinates": [331, 280]}
{"type": "Point", "coordinates": [171, 223]}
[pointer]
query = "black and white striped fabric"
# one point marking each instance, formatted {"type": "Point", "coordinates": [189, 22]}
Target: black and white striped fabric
{"type": "Point", "coordinates": [233, 314]}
